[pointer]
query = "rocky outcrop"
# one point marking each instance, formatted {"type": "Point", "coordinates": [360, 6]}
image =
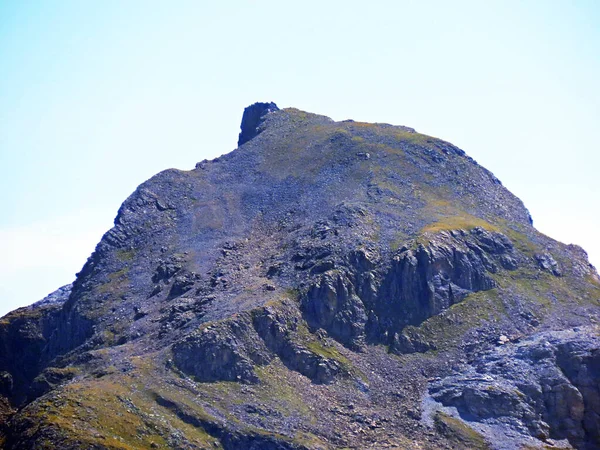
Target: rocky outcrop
{"type": "Point", "coordinates": [24, 335]}
{"type": "Point", "coordinates": [332, 304]}
{"type": "Point", "coordinates": [224, 351]}
{"type": "Point", "coordinates": [376, 302]}
{"type": "Point", "coordinates": [546, 387]}
{"type": "Point", "coordinates": [252, 119]}
{"type": "Point", "coordinates": [58, 297]}
{"type": "Point", "coordinates": [283, 332]}
{"type": "Point", "coordinates": [230, 350]}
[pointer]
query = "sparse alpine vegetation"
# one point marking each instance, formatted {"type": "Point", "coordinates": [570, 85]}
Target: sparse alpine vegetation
{"type": "Point", "coordinates": [325, 285]}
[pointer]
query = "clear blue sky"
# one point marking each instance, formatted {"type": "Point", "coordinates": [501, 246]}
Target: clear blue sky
{"type": "Point", "coordinates": [96, 97]}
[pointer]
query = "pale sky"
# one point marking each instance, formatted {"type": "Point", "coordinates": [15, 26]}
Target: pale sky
{"type": "Point", "coordinates": [96, 97]}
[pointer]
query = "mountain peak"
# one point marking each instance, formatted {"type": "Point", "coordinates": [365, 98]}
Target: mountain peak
{"type": "Point", "coordinates": [366, 267]}
{"type": "Point", "coordinates": [252, 119]}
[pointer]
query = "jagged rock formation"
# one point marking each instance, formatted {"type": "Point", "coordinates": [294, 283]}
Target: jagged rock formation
{"type": "Point", "coordinates": [252, 120]}
{"type": "Point", "coordinates": [325, 285]}
{"type": "Point", "coordinates": [544, 386]}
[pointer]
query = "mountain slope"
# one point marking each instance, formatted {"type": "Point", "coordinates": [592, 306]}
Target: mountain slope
{"type": "Point", "coordinates": [311, 289]}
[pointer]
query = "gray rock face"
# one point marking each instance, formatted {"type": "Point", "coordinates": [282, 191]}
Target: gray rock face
{"type": "Point", "coordinates": [23, 343]}
{"type": "Point", "coordinates": [252, 119]}
{"type": "Point", "coordinates": [377, 301]}
{"type": "Point", "coordinates": [547, 262]}
{"type": "Point", "coordinates": [58, 297]}
{"type": "Point", "coordinates": [224, 352]}
{"type": "Point", "coordinates": [230, 350]}
{"type": "Point", "coordinates": [546, 386]}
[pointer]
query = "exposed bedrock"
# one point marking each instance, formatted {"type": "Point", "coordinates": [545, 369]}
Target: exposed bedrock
{"type": "Point", "coordinates": [230, 350]}
{"type": "Point", "coordinates": [24, 336]}
{"type": "Point", "coordinates": [252, 119]}
{"type": "Point", "coordinates": [547, 386]}
{"type": "Point", "coordinates": [222, 351]}
{"type": "Point", "coordinates": [371, 302]}
{"type": "Point", "coordinates": [367, 301]}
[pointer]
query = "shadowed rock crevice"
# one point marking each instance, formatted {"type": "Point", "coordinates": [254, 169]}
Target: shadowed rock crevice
{"type": "Point", "coordinates": [24, 336]}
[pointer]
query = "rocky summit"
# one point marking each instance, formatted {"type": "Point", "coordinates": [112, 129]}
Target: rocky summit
{"type": "Point", "coordinates": [325, 285]}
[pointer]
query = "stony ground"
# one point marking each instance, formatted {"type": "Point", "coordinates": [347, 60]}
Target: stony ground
{"type": "Point", "coordinates": [325, 285]}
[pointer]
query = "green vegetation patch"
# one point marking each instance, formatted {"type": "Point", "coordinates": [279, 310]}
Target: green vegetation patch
{"type": "Point", "coordinates": [329, 352]}
{"type": "Point", "coordinates": [120, 411]}
{"type": "Point", "coordinates": [447, 328]}
{"type": "Point", "coordinates": [459, 433]}
{"type": "Point", "coordinates": [545, 289]}
{"type": "Point", "coordinates": [448, 217]}
{"type": "Point", "coordinates": [594, 281]}
{"type": "Point", "coordinates": [23, 314]}
{"type": "Point", "coordinates": [276, 390]}
{"type": "Point", "coordinates": [117, 282]}
{"type": "Point", "coordinates": [519, 239]}
{"type": "Point", "coordinates": [124, 255]}
{"type": "Point", "coordinates": [397, 133]}
{"type": "Point", "coordinates": [93, 415]}
{"type": "Point", "coordinates": [463, 221]}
